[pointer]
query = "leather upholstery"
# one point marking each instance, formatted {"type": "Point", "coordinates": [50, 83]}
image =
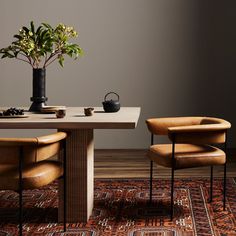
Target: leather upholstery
{"type": "Point", "coordinates": [52, 138]}
{"type": "Point", "coordinates": [165, 126]}
{"type": "Point", "coordinates": [159, 126]}
{"type": "Point", "coordinates": [37, 171]}
{"type": "Point", "coordinates": [34, 175]}
{"type": "Point", "coordinates": [198, 137]}
{"type": "Point", "coordinates": [186, 155]}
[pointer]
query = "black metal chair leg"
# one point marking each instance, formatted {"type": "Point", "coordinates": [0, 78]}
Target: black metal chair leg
{"type": "Point", "coordinates": [172, 178]}
{"type": "Point", "coordinates": [151, 173]}
{"type": "Point", "coordinates": [64, 179]}
{"type": "Point", "coordinates": [65, 208]}
{"type": "Point", "coordinates": [224, 188]}
{"type": "Point", "coordinates": [20, 193]}
{"type": "Point", "coordinates": [150, 181]}
{"type": "Point", "coordinates": [211, 185]}
{"type": "Point", "coordinates": [20, 213]}
{"type": "Point", "coordinates": [172, 195]}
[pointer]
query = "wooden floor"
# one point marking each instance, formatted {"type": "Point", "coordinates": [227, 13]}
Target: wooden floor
{"type": "Point", "coordinates": [135, 164]}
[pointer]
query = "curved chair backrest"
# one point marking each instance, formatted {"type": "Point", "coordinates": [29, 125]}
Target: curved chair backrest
{"type": "Point", "coordinates": [197, 130]}
{"type": "Point", "coordinates": [34, 149]}
{"type": "Point", "coordinates": [159, 126]}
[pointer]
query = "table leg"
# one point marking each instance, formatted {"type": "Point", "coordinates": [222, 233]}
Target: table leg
{"type": "Point", "coordinates": [80, 176]}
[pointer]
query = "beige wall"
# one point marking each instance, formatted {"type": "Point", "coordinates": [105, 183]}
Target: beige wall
{"type": "Point", "coordinates": [170, 57]}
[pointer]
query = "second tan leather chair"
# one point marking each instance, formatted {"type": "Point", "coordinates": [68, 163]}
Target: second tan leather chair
{"type": "Point", "coordinates": [192, 139]}
{"type": "Point", "coordinates": [24, 165]}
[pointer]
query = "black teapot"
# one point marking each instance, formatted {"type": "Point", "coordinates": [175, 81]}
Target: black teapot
{"type": "Point", "coordinates": [111, 105]}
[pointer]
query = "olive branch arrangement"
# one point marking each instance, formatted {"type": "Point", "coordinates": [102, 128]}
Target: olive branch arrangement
{"type": "Point", "coordinates": [42, 46]}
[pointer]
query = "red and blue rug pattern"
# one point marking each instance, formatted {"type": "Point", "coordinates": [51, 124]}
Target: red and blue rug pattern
{"type": "Point", "coordinates": [122, 208]}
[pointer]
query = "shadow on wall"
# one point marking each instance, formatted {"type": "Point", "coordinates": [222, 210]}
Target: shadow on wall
{"type": "Point", "coordinates": [215, 88]}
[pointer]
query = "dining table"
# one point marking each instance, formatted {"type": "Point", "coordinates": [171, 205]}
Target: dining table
{"type": "Point", "coordinates": [79, 150]}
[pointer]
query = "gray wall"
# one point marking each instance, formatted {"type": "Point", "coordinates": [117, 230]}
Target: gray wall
{"type": "Point", "coordinates": [170, 57]}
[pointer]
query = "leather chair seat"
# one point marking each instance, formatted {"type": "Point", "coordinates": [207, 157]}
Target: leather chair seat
{"type": "Point", "coordinates": [186, 155]}
{"type": "Point", "coordinates": [34, 175]}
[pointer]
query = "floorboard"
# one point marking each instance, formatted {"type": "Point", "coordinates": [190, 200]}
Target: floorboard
{"type": "Point", "coordinates": [111, 163]}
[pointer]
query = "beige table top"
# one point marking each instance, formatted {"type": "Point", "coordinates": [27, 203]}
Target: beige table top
{"type": "Point", "coordinates": [126, 118]}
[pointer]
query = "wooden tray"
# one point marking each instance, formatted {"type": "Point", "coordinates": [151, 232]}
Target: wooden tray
{"type": "Point", "coordinates": [51, 109]}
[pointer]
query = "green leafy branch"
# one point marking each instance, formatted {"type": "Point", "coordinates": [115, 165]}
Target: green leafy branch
{"type": "Point", "coordinates": [42, 46]}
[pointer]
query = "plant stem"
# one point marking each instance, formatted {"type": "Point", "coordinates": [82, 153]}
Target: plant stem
{"type": "Point", "coordinates": [34, 64]}
{"type": "Point", "coordinates": [29, 59]}
{"type": "Point", "coordinates": [24, 60]}
{"type": "Point", "coordinates": [46, 58]}
{"type": "Point", "coordinates": [50, 57]}
{"type": "Point", "coordinates": [52, 60]}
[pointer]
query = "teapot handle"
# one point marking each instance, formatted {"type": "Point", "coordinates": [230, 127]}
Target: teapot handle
{"type": "Point", "coordinates": [111, 93]}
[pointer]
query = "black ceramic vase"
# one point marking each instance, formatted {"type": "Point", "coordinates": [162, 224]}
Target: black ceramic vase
{"type": "Point", "coordinates": [39, 90]}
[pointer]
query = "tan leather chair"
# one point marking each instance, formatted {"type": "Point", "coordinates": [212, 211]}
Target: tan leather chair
{"type": "Point", "coordinates": [24, 165]}
{"type": "Point", "coordinates": [192, 146]}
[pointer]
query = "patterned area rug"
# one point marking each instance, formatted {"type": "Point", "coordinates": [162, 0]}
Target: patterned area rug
{"type": "Point", "coordinates": [122, 208]}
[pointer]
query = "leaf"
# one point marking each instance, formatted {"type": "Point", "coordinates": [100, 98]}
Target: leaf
{"type": "Point", "coordinates": [9, 55]}
{"type": "Point", "coordinates": [46, 25]}
{"type": "Point", "coordinates": [16, 53]}
{"type": "Point", "coordinates": [61, 60]}
{"type": "Point", "coordinates": [18, 36]}
{"type": "Point", "coordinates": [70, 53]}
{"type": "Point", "coordinates": [32, 27]}
{"type": "Point", "coordinates": [81, 51]}
{"type": "Point", "coordinates": [44, 35]}
{"type": "Point", "coordinates": [38, 30]}
{"type": "Point", "coordinates": [25, 29]}
{"type": "Point", "coordinates": [40, 39]}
